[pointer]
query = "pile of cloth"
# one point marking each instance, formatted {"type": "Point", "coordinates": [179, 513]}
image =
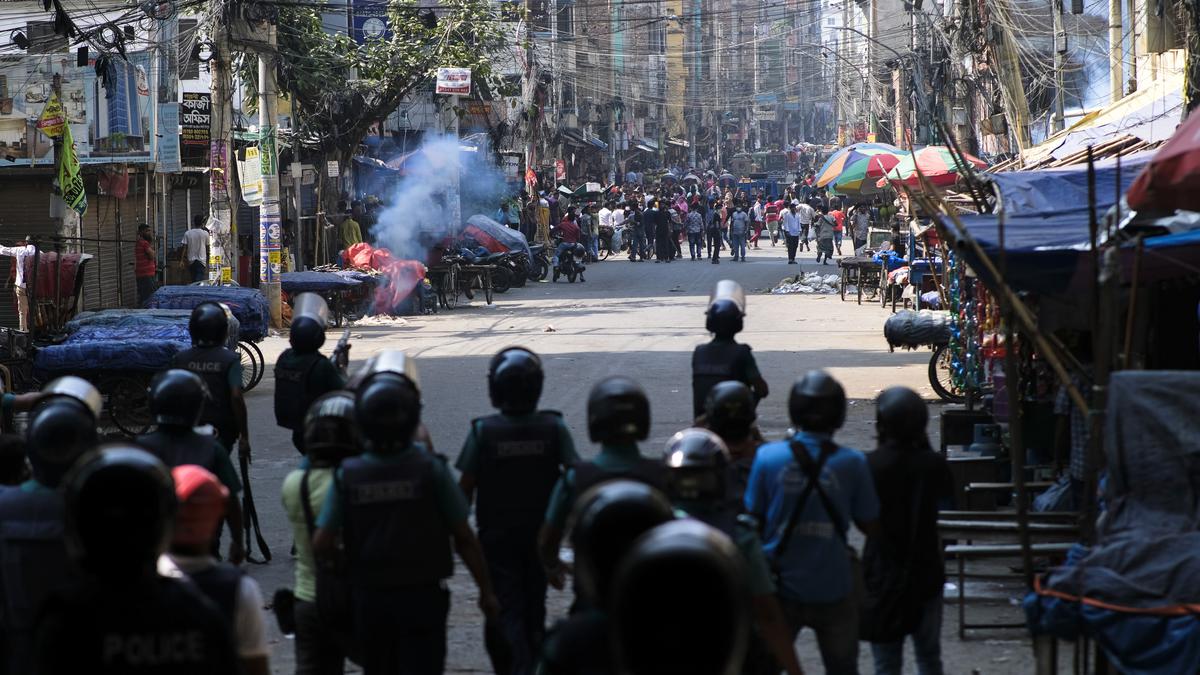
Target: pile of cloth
{"type": "Point", "coordinates": [399, 277]}
{"type": "Point", "coordinates": [810, 283]}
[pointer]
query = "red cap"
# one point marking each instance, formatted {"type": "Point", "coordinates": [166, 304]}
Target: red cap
{"type": "Point", "coordinates": [202, 501]}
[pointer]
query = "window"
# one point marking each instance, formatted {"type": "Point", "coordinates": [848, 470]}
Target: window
{"type": "Point", "coordinates": [566, 22]}
{"type": "Point", "coordinates": [830, 21]}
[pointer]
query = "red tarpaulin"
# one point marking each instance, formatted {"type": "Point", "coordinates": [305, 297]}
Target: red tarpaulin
{"type": "Point", "coordinates": [1172, 178]}
{"type": "Point", "coordinates": [403, 275]}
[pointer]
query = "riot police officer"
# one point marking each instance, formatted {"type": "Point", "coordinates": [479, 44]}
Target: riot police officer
{"type": "Point", "coordinates": [684, 575]}
{"type": "Point", "coordinates": [398, 509]}
{"type": "Point", "coordinates": [126, 618]}
{"type": "Point", "coordinates": [221, 370]}
{"type": "Point", "coordinates": [618, 417]}
{"type": "Point", "coordinates": [729, 413]}
{"type": "Point", "coordinates": [62, 427]}
{"type": "Point", "coordinates": [302, 373]}
{"type": "Point", "coordinates": [703, 483]}
{"type": "Point", "coordinates": [177, 399]}
{"type": "Point", "coordinates": [607, 521]}
{"type": "Point", "coordinates": [512, 460]}
{"type": "Point", "coordinates": [724, 358]}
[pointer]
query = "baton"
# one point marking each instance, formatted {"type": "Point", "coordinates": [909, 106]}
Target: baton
{"type": "Point", "coordinates": [250, 516]}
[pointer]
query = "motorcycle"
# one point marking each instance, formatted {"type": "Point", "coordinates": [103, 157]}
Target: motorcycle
{"type": "Point", "coordinates": [539, 264]}
{"type": "Point", "coordinates": [570, 262]}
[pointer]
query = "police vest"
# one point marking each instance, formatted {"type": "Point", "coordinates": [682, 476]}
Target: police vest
{"type": "Point", "coordinates": [723, 513]}
{"type": "Point", "coordinates": [33, 563]}
{"type": "Point", "coordinates": [220, 583]}
{"type": "Point", "coordinates": [177, 446]}
{"type": "Point", "coordinates": [293, 395]}
{"type": "Point", "coordinates": [394, 533]}
{"type": "Point", "coordinates": [165, 627]}
{"type": "Point", "coordinates": [713, 363]}
{"type": "Point", "coordinates": [644, 470]}
{"type": "Point", "coordinates": [518, 467]}
{"type": "Point", "coordinates": [212, 364]}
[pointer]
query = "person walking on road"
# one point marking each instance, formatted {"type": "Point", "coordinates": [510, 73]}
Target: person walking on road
{"type": "Point", "coordinates": [714, 228]}
{"type": "Point", "coordinates": [807, 490]}
{"type": "Point", "coordinates": [805, 214]}
{"type": "Point", "coordinates": [664, 248]}
{"type": "Point", "coordinates": [739, 228]}
{"type": "Point", "coordinates": [636, 224]}
{"type": "Point", "coordinates": [756, 218]}
{"type": "Point", "coordinates": [695, 232]}
{"type": "Point", "coordinates": [824, 234]}
{"type": "Point", "coordinates": [221, 370]}
{"type": "Point", "coordinates": [860, 226]}
{"type": "Point", "coordinates": [903, 563]}
{"type": "Point", "coordinates": [194, 248]}
{"type": "Point", "coordinates": [791, 231]}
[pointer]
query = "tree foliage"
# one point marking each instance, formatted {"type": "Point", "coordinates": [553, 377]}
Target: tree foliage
{"type": "Point", "coordinates": [333, 112]}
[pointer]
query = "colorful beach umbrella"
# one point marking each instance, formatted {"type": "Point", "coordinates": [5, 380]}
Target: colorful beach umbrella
{"type": "Point", "coordinates": [848, 156]}
{"type": "Point", "coordinates": [936, 162]}
{"type": "Point", "coordinates": [861, 177]}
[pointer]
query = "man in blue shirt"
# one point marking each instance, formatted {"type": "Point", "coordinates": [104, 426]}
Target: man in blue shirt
{"type": "Point", "coordinates": [806, 522]}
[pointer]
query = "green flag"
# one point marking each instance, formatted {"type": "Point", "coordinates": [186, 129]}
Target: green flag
{"type": "Point", "coordinates": [70, 183]}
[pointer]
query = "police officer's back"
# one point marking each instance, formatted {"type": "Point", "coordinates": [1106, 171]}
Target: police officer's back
{"type": "Point", "coordinates": [62, 427]}
{"type": "Point", "coordinates": [512, 461]}
{"type": "Point", "coordinates": [302, 373]}
{"type": "Point", "coordinates": [177, 398]}
{"type": "Point", "coordinates": [221, 370]}
{"type": "Point", "coordinates": [398, 508]}
{"type": "Point", "coordinates": [729, 411]}
{"type": "Point", "coordinates": [125, 618]}
{"type": "Point", "coordinates": [618, 417]}
{"type": "Point", "coordinates": [724, 358]}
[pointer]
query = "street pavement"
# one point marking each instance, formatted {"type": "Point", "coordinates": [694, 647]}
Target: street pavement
{"type": "Point", "coordinates": [641, 320]}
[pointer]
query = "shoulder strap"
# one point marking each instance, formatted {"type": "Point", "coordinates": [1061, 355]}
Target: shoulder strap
{"type": "Point", "coordinates": [813, 469]}
{"type": "Point", "coordinates": [310, 521]}
{"type": "Point", "coordinates": [798, 451]}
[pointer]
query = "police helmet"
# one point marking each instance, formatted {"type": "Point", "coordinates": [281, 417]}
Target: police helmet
{"type": "Point", "coordinates": [209, 324]}
{"type": "Point", "coordinates": [387, 401]}
{"type": "Point", "coordinates": [900, 414]}
{"type": "Point", "coordinates": [618, 411]}
{"type": "Point", "coordinates": [607, 520]}
{"type": "Point", "coordinates": [726, 309]}
{"type": "Point", "coordinates": [689, 576]}
{"type": "Point", "coordinates": [729, 409]}
{"type": "Point", "coordinates": [515, 381]}
{"type": "Point", "coordinates": [120, 510]}
{"type": "Point", "coordinates": [817, 402]}
{"type": "Point", "coordinates": [77, 388]}
{"type": "Point", "coordinates": [310, 316]}
{"type": "Point", "coordinates": [177, 397]}
{"type": "Point", "coordinates": [330, 431]}
{"type": "Point", "coordinates": [61, 428]}
{"type": "Point", "coordinates": [696, 461]}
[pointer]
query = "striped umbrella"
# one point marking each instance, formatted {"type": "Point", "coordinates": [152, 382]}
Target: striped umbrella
{"type": "Point", "coordinates": [861, 177]}
{"type": "Point", "coordinates": [936, 162]}
{"type": "Point", "coordinates": [847, 156]}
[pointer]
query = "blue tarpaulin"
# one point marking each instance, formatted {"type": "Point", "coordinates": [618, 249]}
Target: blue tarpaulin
{"type": "Point", "coordinates": [247, 304]}
{"type": "Point", "coordinates": [315, 282]}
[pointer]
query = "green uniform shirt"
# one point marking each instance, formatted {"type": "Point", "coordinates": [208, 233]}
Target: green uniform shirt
{"type": "Point", "coordinates": [449, 499]}
{"type": "Point", "coordinates": [468, 459]}
{"type": "Point", "coordinates": [319, 481]}
{"type": "Point", "coordinates": [747, 541]}
{"type": "Point", "coordinates": [614, 458]}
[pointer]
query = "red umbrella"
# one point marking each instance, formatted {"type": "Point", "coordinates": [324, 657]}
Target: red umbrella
{"type": "Point", "coordinates": [936, 163]}
{"type": "Point", "coordinates": [1172, 179]}
{"type": "Point", "coordinates": [879, 165]}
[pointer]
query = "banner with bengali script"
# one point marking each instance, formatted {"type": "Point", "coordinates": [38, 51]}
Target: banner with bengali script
{"type": "Point", "coordinates": [70, 183]}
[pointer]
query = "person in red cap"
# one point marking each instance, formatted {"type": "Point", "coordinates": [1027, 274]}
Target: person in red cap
{"type": "Point", "coordinates": [202, 499]}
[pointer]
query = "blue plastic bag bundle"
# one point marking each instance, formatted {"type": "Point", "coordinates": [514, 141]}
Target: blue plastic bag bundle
{"type": "Point", "coordinates": [247, 304]}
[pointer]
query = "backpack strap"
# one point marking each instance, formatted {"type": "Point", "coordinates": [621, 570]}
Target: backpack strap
{"type": "Point", "coordinates": [786, 538]}
{"type": "Point", "coordinates": [813, 471]}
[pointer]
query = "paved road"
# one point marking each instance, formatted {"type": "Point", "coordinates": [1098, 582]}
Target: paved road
{"type": "Point", "coordinates": [637, 319]}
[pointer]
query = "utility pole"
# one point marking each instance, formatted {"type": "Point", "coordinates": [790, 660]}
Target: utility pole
{"type": "Point", "coordinates": [1116, 61]}
{"type": "Point", "coordinates": [1060, 50]}
{"type": "Point", "coordinates": [223, 250]}
{"type": "Point", "coordinates": [453, 203]}
{"type": "Point", "coordinates": [270, 218]}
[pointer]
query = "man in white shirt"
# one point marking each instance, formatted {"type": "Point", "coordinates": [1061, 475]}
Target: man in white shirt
{"type": "Point", "coordinates": [20, 251]}
{"type": "Point", "coordinates": [194, 250]}
{"type": "Point", "coordinates": [791, 231]}
{"type": "Point", "coordinates": [805, 213]}
{"type": "Point", "coordinates": [604, 216]}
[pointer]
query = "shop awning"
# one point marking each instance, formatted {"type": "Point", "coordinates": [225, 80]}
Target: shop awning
{"type": "Point", "coordinates": [679, 142]}
{"type": "Point", "coordinates": [650, 146]}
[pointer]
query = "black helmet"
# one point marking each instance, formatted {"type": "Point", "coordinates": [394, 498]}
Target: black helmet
{"type": "Point", "coordinates": [729, 409]}
{"type": "Point", "coordinates": [696, 461]}
{"type": "Point", "coordinates": [689, 577]}
{"type": "Point", "coordinates": [726, 309]}
{"type": "Point", "coordinates": [388, 400]}
{"type": "Point", "coordinates": [120, 510]}
{"type": "Point", "coordinates": [607, 520]}
{"type": "Point", "coordinates": [579, 250]}
{"type": "Point", "coordinates": [515, 381]}
{"type": "Point", "coordinates": [330, 431]}
{"type": "Point", "coordinates": [901, 415]}
{"type": "Point", "coordinates": [61, 428]}
{"type": "Point", "coordinates": [177, 397]}
{"type": "Point", "coordinates": [817, 402]}
{"type": "Point", "coordinates": [618, 411]}
{"type": "Point", "coordinates": [310, 315]}
{"type": "Point", "coordinates": [209, 324]}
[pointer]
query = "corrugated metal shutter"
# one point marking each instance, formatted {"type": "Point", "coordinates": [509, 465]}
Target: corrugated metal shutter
{"type": "Point", "coordinates": [24, 210]}
{"type": "Point", "coordinates": [109, 233]}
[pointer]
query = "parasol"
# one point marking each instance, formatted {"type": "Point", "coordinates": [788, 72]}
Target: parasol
{"type": "Point", "coordinates": [936, 162]}
{"type": "Point", "coordinates": [848, 157]}
{"type": "Point", "coordinates": [861, 176]}
{"type": "Point", "coordinates": [1172, 178]}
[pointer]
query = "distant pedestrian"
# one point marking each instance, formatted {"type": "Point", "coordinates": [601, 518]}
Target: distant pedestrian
{"type": "Point", "coordinates": [350, 230]}
{"type": "Point", "coordinates": [824, 225]}
{"type": "Point", "coordinates": [194, 249]}
{"type": "Point", "coordinates": [145, 263]}
{"type": "Point", "coordinates": [664, 251]}
{"type": "Point", "coordinates": [757, 214]}
{"type": "Point", "coordinates": [714, 227]}
{"type": "Point", "coordinates": [791, 231]}
{"type": "Point", "coordinates": [695, 232]}
{"type": "Point", "coordinates": [860, 226]}
{"type": "Point", "coordinates": [839, 227]}
{"type": "Point", "coordinates": [739, 228]}
{"type": "Point", "coordinates": [805, 214]}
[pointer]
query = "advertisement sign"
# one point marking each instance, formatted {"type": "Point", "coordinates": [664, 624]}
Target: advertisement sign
{"type": "Point", "coordinates": [371, 21]}
{"type": "Point", "coordinates": [560, 169]}
{"type": "Point", "coordinates": [70, 183]}
{"type": "Point", "coordinates": [195, 122]}
{"type": "Point", "coordinates": [269, 234]}
{"type": "Point", "coordinates": [168, 160]}
{"type": "Point", "coordinates": [456, 81]}
{"type": "Point", "coordinates": [52, 120]}
{"type": "Point", "coordinates": [250, 174]}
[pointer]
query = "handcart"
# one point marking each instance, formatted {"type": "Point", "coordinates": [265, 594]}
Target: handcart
{"type": "Point", "coordinates": [861, 271]}
{"type": "Point", "coordinates": [347, 292]}
{"type": "Point", "coordinates": [249, 307]}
